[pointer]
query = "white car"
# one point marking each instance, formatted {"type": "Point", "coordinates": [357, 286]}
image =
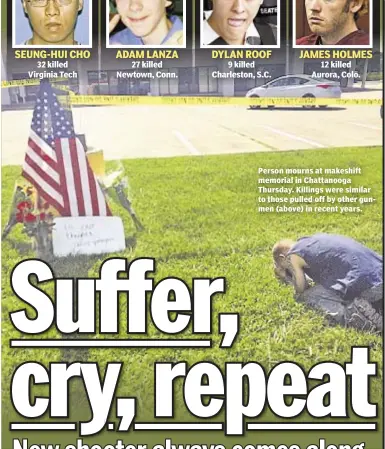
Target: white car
{"type": "Point", "coordinates": [296, 86]}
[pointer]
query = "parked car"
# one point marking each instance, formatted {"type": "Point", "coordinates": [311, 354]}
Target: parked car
{"type": "Point", "coordinates": [296, 86]}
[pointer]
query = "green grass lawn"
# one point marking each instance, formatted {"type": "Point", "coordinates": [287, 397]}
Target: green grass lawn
{"type": "Point", "coordinates": [201, 220]}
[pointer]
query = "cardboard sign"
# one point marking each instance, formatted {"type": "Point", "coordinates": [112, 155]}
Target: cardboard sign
{"type": "Point", "coordinates": [87, 235]}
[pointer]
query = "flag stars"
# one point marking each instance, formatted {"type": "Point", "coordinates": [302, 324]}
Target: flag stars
{"type": "Point", "coordinates": [50, 120]}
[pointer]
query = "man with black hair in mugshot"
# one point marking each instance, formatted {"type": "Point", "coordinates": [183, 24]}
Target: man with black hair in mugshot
{"type": "Point", "coordinates": [148, 22]}
{"type": "Point", "coordinates": [235, 23]}
{"type": "Point", "coordinates": [334, 22]}
{"type": "Point", "coordinates": [52, 21]}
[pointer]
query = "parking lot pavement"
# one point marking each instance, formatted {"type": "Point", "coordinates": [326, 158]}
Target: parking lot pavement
{"type": "Point", "coordinates": [165, 131]}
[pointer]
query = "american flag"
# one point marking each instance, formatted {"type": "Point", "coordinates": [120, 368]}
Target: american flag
{"type": "Point", "coordinates": [56, 163]}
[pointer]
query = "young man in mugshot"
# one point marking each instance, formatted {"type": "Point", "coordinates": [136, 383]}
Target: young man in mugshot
{"type": "Point", "coordinates": [52, 21]}
{"type": "Point", "coordinates": [148, 22]}
{"type": "Point", "coordinates": [334, 22]}
{"type": "Point", "coordinates": [233, 22]}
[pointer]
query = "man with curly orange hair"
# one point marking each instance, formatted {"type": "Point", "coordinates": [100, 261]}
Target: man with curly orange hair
{"type": "Point", "coordinates": [334, 22]}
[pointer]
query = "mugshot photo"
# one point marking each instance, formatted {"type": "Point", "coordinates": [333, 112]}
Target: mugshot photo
{"type": "Point", "coordinates": [330, 23]}
{"type": "Point", "coordinates": [239, 23]}
{"type": "Point", "coordinates": [150, 23]}
{"type": "Point", "coordinates": [52, 23]}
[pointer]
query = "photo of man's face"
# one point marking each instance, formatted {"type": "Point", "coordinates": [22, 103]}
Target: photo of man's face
{"type": "Point", "coordinates": [232, 18]}
{"type": "Point", "coordinates": [143, 17]}
{"type": "Point", "coordinates": [53, 21]}
{"type": "Point", "coordinates": [325, 17]}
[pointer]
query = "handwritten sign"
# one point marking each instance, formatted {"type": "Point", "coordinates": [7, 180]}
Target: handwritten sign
{"type": "Point", "coordinates": [87, 235]}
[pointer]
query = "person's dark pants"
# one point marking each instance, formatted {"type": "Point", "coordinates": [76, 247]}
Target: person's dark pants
{"type": "Point", "coordinates": [375, 296]}
{"type": "Point", "coordinates": [363, 313]}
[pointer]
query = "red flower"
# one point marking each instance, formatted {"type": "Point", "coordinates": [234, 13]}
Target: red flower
{"type": "Point", "coordinates": [29, 218]}
{"type": "Point", "coordinates": [24, 205]}
{"type": "Point", "coordinates": [25, 215]}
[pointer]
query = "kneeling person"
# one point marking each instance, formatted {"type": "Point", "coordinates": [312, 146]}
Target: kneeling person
{"type": "Point", "coordinates": [342, 270]}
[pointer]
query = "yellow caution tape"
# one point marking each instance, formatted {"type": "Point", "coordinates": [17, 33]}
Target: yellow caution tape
{"type": "Point", "coordinates": [36, 82]}
{"type": "Point", "coordinates": [116, 100]}
{"type": "Point", "coordinates": [16, 83]}
{"type": "Point", "coordinates": [65, 88]}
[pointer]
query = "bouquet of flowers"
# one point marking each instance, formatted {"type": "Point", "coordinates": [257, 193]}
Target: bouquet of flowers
{"type": "Point", "coordinates": [36, 215]}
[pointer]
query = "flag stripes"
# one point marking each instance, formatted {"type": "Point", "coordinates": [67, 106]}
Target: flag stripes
{"type": "Point", "coordinates": [56, 163]}
{"type": "Point", "coordinates": [84, 195]}
{"type": "Point", "coordinates": [44, 189]}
